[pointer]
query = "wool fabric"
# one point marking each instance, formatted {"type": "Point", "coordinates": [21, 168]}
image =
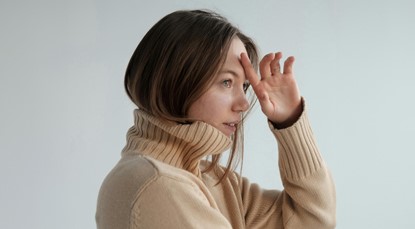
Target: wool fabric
{"type": "Point", "coordinates": [158, 182]}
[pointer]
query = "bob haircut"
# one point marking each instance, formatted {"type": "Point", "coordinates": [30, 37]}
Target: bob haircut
{"type": "Point", "coordinates": [176, 62]}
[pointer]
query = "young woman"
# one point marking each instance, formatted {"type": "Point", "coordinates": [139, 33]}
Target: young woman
{"type": "Point", "coordinates": [189, 76]}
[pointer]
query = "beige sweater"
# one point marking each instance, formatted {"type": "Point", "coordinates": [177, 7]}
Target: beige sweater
{"type": "Point", "coordinates": [158, 182]}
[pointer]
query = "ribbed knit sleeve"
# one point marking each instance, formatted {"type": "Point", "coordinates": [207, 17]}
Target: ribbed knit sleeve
{"type": "Point", "coordinates": [308, 198]}
{"type": "Point", "coordinates": [158, 183]}
{"type": "Point", "coordinates": [299, 156]}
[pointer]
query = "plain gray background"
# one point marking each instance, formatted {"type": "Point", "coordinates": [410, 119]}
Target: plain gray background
{"type": "Point", "coordinates": [64, 113]}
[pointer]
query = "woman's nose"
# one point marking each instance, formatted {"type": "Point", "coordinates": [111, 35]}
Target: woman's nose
{"type": "Point", "coordinates": [241, 103]}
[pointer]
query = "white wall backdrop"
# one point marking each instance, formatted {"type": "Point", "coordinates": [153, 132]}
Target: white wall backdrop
{"type": "Point", "coordinates": [64, 113]}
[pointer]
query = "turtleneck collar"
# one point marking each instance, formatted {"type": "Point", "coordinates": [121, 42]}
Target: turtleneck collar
{"type": "Point", "coordinates": [180, 145]}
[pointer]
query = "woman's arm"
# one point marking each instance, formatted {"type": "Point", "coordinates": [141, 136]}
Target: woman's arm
{"type": "Point", "coordinates": [308, 199]}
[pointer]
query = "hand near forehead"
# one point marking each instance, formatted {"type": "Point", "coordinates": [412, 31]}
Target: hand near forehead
{"type": "Point", "coordinates": [276, 89]}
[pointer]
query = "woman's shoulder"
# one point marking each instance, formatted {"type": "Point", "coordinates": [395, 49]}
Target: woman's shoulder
{"type": "Point", "coordinates": [125, 180]}
{"type": "Point", "coordinates": [140, 183]}
{"type": "Point", "coordinates": [133, 174]}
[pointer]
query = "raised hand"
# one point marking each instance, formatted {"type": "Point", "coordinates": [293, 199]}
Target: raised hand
{"type": "Point", "coordinates": [276, 89]}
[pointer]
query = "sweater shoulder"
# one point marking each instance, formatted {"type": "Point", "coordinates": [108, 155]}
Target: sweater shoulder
{"type": "Point", "coordinates": [130, 173]}
{"type": "Point", "coordinates": [120, 188]}
{"type": "Point", "coordinates": [124, 185]}
{"type": "Point", "coordinates": [134, 173]}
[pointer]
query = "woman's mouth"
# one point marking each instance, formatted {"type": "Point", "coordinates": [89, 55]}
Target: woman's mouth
{"type": "Point", "coordinates": [231, 127]}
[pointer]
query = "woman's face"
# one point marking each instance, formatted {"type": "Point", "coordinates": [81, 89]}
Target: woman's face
{"type": "Point", "coordinates": [223, 103]}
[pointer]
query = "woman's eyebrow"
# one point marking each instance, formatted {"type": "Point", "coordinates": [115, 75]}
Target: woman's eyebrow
{"type": "Point", "coordinates": [230, 71]}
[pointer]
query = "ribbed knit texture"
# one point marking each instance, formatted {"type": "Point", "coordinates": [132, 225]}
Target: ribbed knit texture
{"type": "Point", "coordinates": [179, 145]}
{"type": "Point", "coordinates": [298, 138]}
{"type": "Point", "coordinates": [158, 184]}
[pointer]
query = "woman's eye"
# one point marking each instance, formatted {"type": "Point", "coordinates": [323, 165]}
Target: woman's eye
{"type": "Point", "coordinates": [227, 83]}
{"type": "Point", "coordinates": [246, 86]}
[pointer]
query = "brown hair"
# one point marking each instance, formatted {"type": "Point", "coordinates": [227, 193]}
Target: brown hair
{"type": "Point", "coordinates": [175, 63]}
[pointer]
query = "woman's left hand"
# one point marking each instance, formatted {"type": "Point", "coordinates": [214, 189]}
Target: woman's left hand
{"type": "Point", "coordinates": [277, 90]}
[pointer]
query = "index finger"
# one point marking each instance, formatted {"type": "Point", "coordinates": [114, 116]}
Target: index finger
{"type": "Point", "coordinates": [250, 73]}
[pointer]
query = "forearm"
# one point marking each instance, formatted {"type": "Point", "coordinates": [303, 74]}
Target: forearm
{"type": "Point", "coordinates": [309, 193]}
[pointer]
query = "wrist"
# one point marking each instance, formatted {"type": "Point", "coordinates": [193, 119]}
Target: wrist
{"type": "Point", "coordinates": [292, 118]}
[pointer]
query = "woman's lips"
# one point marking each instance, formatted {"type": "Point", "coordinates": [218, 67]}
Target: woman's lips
{"type": "Point", "coordinates": [231, 127]}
